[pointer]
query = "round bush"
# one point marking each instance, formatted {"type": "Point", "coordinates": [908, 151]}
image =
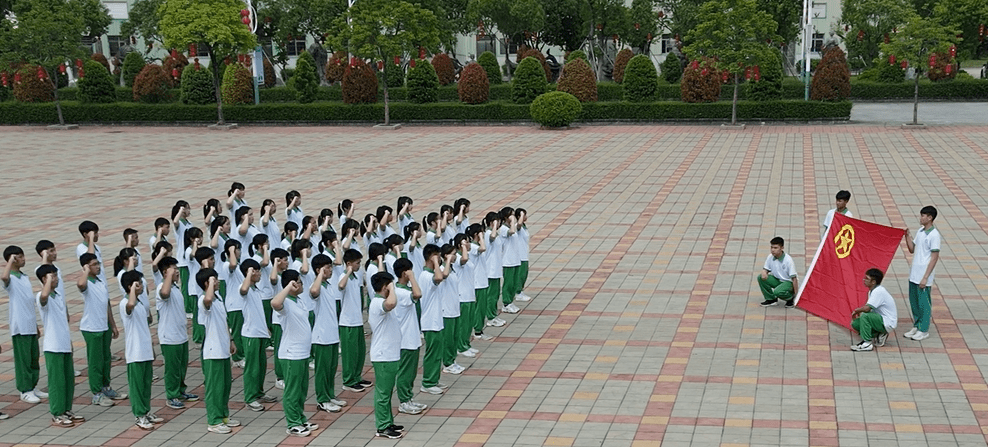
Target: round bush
{"type": "Point", "coordinates": [531, 52]}
{"type": "Point", "coordinates": [473, 88]}
{"type": "Point", "coordinates": [175, 63]}
{"type": "Point", "coordinates": [102, 60]}
{"type": "Point", "coordinates": [423, 83]}
{"type": "Point", "coordinates": [832, 79]}
{"type": "Point", "coordinates": [132, 66]}
{"type": "Point", "coordinates": [359, 83]}
{"type": "Point", "coordinates": [769, 87]}
{"type": "Point", "coordinates": [620, 62]}
{"type": "Point", "coordinates": [489, 61]}
{"type": "Point", "coordinates": [443, 65]}
{"type": "Point", "coordinates": [197, 85]}
{"type": "Point", "coordinates": [238, 85]}
{"type": "Point", "coordinates": [701, 82]}
{"type": "Point", "coordinates": [672, 68]}
{"type": "Point", "coordinates": [335, 67]}
{"type": "Point", "coordinates": [151, 85]}
{"type": "Point", "coordinates": [270, 80]}
{"type": "Point", "coordinates": [5, 94]}
{"type": "Point", "coordinates": [890, 73]}
{"type": "Point", "coordinates": [396, 75]}
{"type": "Point", "coordinates": [939, 71]}
{"type": "Point", "coordinates": [578, 80]}
{"type": "Point", "coordinates": [529, 81]}
{"type": "Point", "coordinates": [640, 80]}
{"type": "Point", "coordinates": [96, 86]}
{"type": "Point", "coordinates": [305, 81]}
{"type": "Point", "coordinates": [555, 109]}
{"type": "Point", "coordinates": [577, 54]}
{"type": "Point", "coordinates": [32, 89]}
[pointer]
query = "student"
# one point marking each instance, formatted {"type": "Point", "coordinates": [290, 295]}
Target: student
{"type": "Point", "coordinates": [877, 317]}
{"type": "Point", "coordinates": [495, 271]}
{"type": "Point", "coordinates": [926, 253]}
{"type": "Point", "coordinates": [219, 233]}
{"type": "Point", "coordinates": [511, 260]}
{"type": "Point", "coordinates": [133, 240]}
{"type": "Point", "coordinates": [384, 217]}
{"type": "Point", "coordinates": [173, 336]}
{"type": "Point", "coordinates": [524, 238]}
{"type": "Point", "coordinates": [159, 252]}
{"type": "Point", "coordinates": [447, 228]}
{"type": "Point", "coordinates": [431, 225]}
{"type": "Point", "coordinates": [778, 279]}
{"type": "Point", "coordinates": [413, 246]}
{"type": "Point", "coordinates": [468, 298]}
{"type": "Point", "coordinates": [235, 199]}
{"type": "Point", "coordinates": [269, 225]}
{"type": "Point", "coordinates": [481, 287]}
{"type": "Point", "coordinates": [244, 219]}
{"type": "Point", "coordinates": [90, 236]}
{"type": "Point", "coordinates": [374, 264]}
{"type": "Point", "coordinates": [255, 335]}
{"type": "Point", "coordinates": [294, 351]}
{"type": "Point", "coordinates": [293, 208]}
{"type": "Point", "coordinates": [23, 326]}
{"type": "Point", "coordinates": [432, 319]}
{"type": "Point", "coordinates": [57, 348]}
{"type": "Point", "coordinates": [325, 334]}
{"type": "Point", "coordinates": [49, 254]}
{"type": "Point", "coordinates": [404, 212]}
{"type": "Point", "coordinates": [288, 236]}
{"type": "Point", "coordinates": [180, 214]}
{"type": "Point", "coordinates": [369, 230]}
{"type": "Point", "coordinates": [193, 239]}
{"type": "Point", "coordinates": [407, 293]}
{"type": "Point", "coordinates": [353, 345]}
{"type": "Point", "coordinates": [449, 293]}
{"type": "Point", "coordinates": [210, 211]}
{"type": "Point", "coordinates": [385, 352]}
{"type": "Point", "coordinates": [199, 258]}
{"type": "Point", "coordinates": [393, 245]}
{"type": "Point", "coordinates": [259, 252]}
{"type": "Point", "coordinates": [232, 299]}
{"type": "Point", "coordinates": [216, 351]}
{"type": "Point", "coordinates": [139, 353]}
{"type": "Point", "coordinates": [162, 227]}
{"type": "Point", "coordinates": [98, 330]}
{"type": "Point", "coordinates": [279, 264]}
{"type": "Point", "coordinates": [345, 210]}
{"type": "Point", "coordinates": [841, 207]}
{"type": "Point", "coordinates": [461, 207]}
{"type": "Point", "coordinates": [325, 222]}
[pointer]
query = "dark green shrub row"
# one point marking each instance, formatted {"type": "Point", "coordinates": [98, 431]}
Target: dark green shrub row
{"type": "Point", "coordinates": [329, 112]}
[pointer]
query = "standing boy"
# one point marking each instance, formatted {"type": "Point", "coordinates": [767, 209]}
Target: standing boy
{"type": "Point", "coordinates": [841, 207]}
{"type": "Point", "coordinates": [58, 349]}
{"type": "Point", "coordinates": [255, 336]}
{"type": "Point", "coordinates": [138, 351]}
{"type": "Point", "coordinates": [925, 248]}
{"type": "Point", "coordinates": [23, 326]}
{"type": "Point", "coordinates": [294, 351]}
{"type": "Point", "coordinates": [778, 278]}
{"type": "Point", "coordinates": [352, 341]}
{"type": "Point", "coordinates": [432, 319]}
{"type": "Point", "coordinates": [98, 330]}
{"type": "Point", "coordinates": [173, 336]}
{"type": "Point", "coordinates": [325, 334]}
{"type": "Point", "coordinates": [407, 293]}
{"type": "Point", "coordinates": [385, 351]}
{"type": "Point", "coordinates": [877, 317]}
{"type": "Point", "coordinates": [216, 351]}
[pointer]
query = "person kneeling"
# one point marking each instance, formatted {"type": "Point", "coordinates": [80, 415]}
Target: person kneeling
{"type": "Point", "coordinates": [877, 317]}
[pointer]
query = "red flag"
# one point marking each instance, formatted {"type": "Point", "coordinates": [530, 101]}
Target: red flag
{"type": "Point", "coordinates": [833, 285]}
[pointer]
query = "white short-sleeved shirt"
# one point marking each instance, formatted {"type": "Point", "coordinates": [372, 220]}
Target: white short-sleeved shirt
{"type": "Point", "coordinates": [407, 318]}
{"type": "Point", "coordinates": [465, 280]}
{"type": "Point", "coordinates": [830, 218]}
{"type": "Point", "coordinates": [783, 269]}
{"type": "Point", "coordinates": [404, 220]}
{"type": "Point", "coordinates": [123, 293]}
{"type": "Point", "coordinates": [154, 240]}
{"type": "Point", "coordinates": [137, 334]}
{"type": "Point", "coordinates": [21, 316]}
{"type": "Point", "coordinates": [479, 267]}
{"type": "Point", "coordinates": [194, 267]}
{"type": "Point", "coordinates": [511, 256]}
{"type": "Point", "coordinates": [247, 239]}
{"type": "Point", "coordinates": [432, 302]}
{"type": "Point", "coordinates": [236, 205]}
{"type": "Point", "coordinates": [389, 263]}
{"type": "Point", "coordinates": [432, 238]}
{"type": "Point", "coordinates": [881, 301]}
{"type": "Point", "coordinates": [295, 215]}
{"type": "Point", "coordinates": [386, 332]}
{"type": "Point", "coordinates": [307, 280]}
{"type": "Point", "coordinates": [369, 271]}
{"type": "Point", "coordinates": [267, 290]}
{"type": "Point", "coordinates": [54, 317]}
{"type": "Point", "coordinates": [449, 291]}
{"type": "Point", "coordinates": [526, 238]}
{"type": "Point", "coordinates": [216, 346]}
{"type": "Point", "coordinates": [272, 230]}
{"type": "Point", "coordinates": [172, 328]}
{"type": "Point", "coordinates": [495, 256]}
{"type": "Point", "coordinates": [96, 300]}
{"type": "Point", "coordinates": [255, 324]}
{"type": "Point", "coordinates": [60, 288]}
{"type": "Point", "coordinates": [415, 255]}
{"type": "Point", "coordinates": [326, 330]}
{"type": "Point", "coordinates": [449, 233]}
{"type": "Point", "coordinates": [180, 230]}
{"type": "Point", "coordinates": [233, 300]}
{"type": "Point", "coordinates": [82, 249]}
{"type": "Point", "coordinates": [926, 243]}
{"type": "Point", "coordinates": [351, 315]}
{"type": "Point", "coordinates": [296, 338]}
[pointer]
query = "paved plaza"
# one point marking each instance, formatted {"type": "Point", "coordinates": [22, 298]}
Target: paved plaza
{"type": "Point", "coordinates": [645, 327]}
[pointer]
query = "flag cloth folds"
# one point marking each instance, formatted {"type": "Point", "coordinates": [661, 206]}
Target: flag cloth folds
{"type": "Point", "coordinates": [833, 285]}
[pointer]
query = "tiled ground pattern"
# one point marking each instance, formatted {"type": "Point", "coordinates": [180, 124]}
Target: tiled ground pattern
{"type": "Point", "coordinates": [645, 327]}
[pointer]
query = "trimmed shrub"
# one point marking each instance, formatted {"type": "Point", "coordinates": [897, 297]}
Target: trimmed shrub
{"type": "Point", "coordinates": [270, 80]}
{"type": "Point", "coordinates": [555, 109]}
{"type": "Point", "coordinates": [197, 85]}
{"type": "Point", "coordinates": [102, 60]}
{"type": "Point", "coordinates": [529, 81]}
{"type": "Point", "coordinates": [396, 75]}
{"type": "Point", "coordinates": [489, 61]}
{"type": "Point", "coordinates": [578, 79]}
{"type": "Point", "coordinates": [701, 82]}
{"type": "Point", "coordinates": [151, 85]}
{"type": "Point", "coordinates": [423, 83]}
{"type": "Point", "coordinates": [577, 54]}
{"type": "Point", "coordinates": [890, 73]}
{"type": "Point", "coordinates": [769, 87]}
{"type": "Point", "coordinates": [305, 81]}
{"type": "Point", "coordinates": [238, 85]}
{"type": "Point", "coordinates": [832, 79]}
{"type": "Point", "coordinates": [939, 70]}
{"type": "Point", "coordinates": [132, 66]}
{"type": "Point", "coordinates": [620, 62]}
{"type": "Point", "coordinates": [473, 88]}
{"type": "Point", "coordinates": [640, 80]}
{"type": "Point", "coordinates": [5, 94]}
{"type": "Point", "coordinates": [31, 89]}
{"type": "Point", "coordinates": [335, 67]}
{"type": "Point", "coordinates": [175, 63]}
{"type": "Point", "coordinates": [359, 83]}
{"type": "Point", "coordinates": [531, 52]}
{"type": "Point", "coordinates": [672, 68]}
{"type": "Point", "coordinates": [443, 66]}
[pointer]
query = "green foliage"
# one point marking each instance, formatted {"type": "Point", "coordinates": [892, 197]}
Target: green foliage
{"type": "Point", "coordinates": [555, 109]}
{"type": "Point", "coordinates": [643, 25]}
{"type": "Point", "coordinates": [102, 60]}
{"type": "Point", "coordinates": [197, 85]}
{"type": "Point", "coordinates": [5, 94]}
{"type": "Point", "coordinates": [488, 60]}
{"type": "Point", "coordinates": [473, 88]}
{"type": "Point", "coordinates": [531, 52]}
{"type": "Point", "coordinates": [142, 21]}
{"type": "Point", "coordinates": [564, 23]}
{"type": "Point", "coordinates": [132, 66]}
{"type": "Point", "coordinates": [423, 83]}
{"type": "Point", "coordinates": [529, 81]}
{"type": "Point", "coordinates": [918, 39]}
{"type": "Point", "coordinates": [299, 18]}
{"type": "Point", "coordinates": [769, 87]}
{"type": "Point", "coordinates": [672, 68]}
{"type": "Point", "coordinates": [359, 83]}
{"type": "Point", "coordinates": [175, 63]}
{"type": "Point", "coordinates": [967, 16]}
{"type": "Point", "coordinates": [734, 32]}
{"type": "Point", "coordinates": [152, 85]}
{"type": "Point", "coordinates": [958, 89]}
{"type": "Point", "coordinates": [395, 75]}
{"type": "Point", "coordinates": [305, 81]}
{"type": "Point", "coordinates": [701, 82]}
{"type": "Point", "coordinates": [787, 15]}
{"type": "Point", "coordinates": [832, 81]}
{"type": "Point", "coordinates": [30, 88]}
{"type": "Point", "coordinates": [238, 85]}
{"type": "Point", "coordinates": [578, 80]}
{"type": "Point", "coordinates": [872, 20]}
{"type": "Point", "coordinates": [97, 85]}
{"type": "Point", "coordinates": [443, 66]}
{"type": "Point", "coordinates": [620, 62]}
{"type": "Point", "coordinates": [640, 80]}
{"type": "Point", "coordinates": [576, 54]}
{"type": "Point", "coordinates": [938, 72]}
{"type": "Point", "coordinates": [269, 77]}
{"type": "Point", "coordinates": [335, 68]}
{"type": "Point", "coordinates": [510, 18]}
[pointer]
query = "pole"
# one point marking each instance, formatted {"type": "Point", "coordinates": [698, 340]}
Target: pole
{"type": "Point", "coordinates": [807, 41]}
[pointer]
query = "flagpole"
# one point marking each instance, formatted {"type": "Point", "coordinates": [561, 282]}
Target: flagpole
{"type": "Point", "coordinates": [802, 284]}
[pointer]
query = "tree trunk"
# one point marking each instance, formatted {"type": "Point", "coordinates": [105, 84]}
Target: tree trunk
{"type": "Point", "coordinates": [214, 65]}
{"type": "Point", "coordinates": [916, 98]}
{"type": "Point", "coordinates": [734, 103]}
{"type": "Point", "coordinates": [58, 104]}
{"type": "Point", "coordinates": [387, 108]}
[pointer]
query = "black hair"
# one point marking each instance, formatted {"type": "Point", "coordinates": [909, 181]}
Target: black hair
{"type": "Point", "coordinates": [291, 195]}
{"type": "Point", "coordinates": [519, 212]}
{"type": "Point", "coordinates": [86, 226]}
{"type": "Point", "coordinates": [258, 240]}
{"type": "Point", "coordinates": [446, 249]}
{"type": "Point", "coordinates": [306, 221]}
{"type": "Point", "coordinates": [162, 245]}
{"type": "Point", "coordinates": [161, 222]}
{"type": "Point", "coordinates": [411, 228]}
{"type": "Point", "coordinates": [778, 240]}
{"type": "Point", "coordinates": [279, 253]}
{"type": "Point", "coordinates": [217, 222]}
{"type": "Point", "coordinates": [929, 211]}
{"type": "Point", "coordinates": [876, 275]}
{"type": "Point", "coordinates": [226, 248]}
{"type": "Point", "coordinates": [352, 223]}
{"type": "Point", "coordinates": [166, 262]}
{"type": "Point", "coordinates": [235, 186]}
{"type": "Point", "coordinates": [365, 224]}
{"type": "Point", "coordinates": [381, 211]}
{"type": "Point", "coordinates": [352, 254]}
{"type": "Point", "coordinates": [120, 262]}
{"type": "Point", "coordinates": [429, 219]}
{"type": "Point", "coordinates": [289, 226]}
{"type": "Point", "coordinates": [177, 208]}
{"type": "Point", "coordinates": [446, 208]}
{"type": "Point", "coordinates": [473, 230]}
{"type": "Point", "coordinates": [241, 212]}
{"type": "Point", "coordinates": [190, 234]}
{"type": "Point", "coordinates": [11, 250]}
{"type": "Point", "coordinates": [324, 214]}
{"type": "Point", "coordinates": [267, 202]}
{"type": "Point", "coordinates": [505, 213]}
{"type": "Point", "coordinates": [429, 250]}
{"type": "Point", "coordinates": [460, 201]}
{"type": "Point", "coordinates": [43, 245]}
{"type": "Point", "coordinates": [401, 266]}
{"type": "Point", "coordinates": [129, 232]}
{"type": "Point", "coordinates": [211, 203]}
{"type": "Point", "coordinates": [298, 245]}
{"type": "Point", "coordinates": [288, 276]}
{"type": "Point", "coordinates": [458, 240]}
{"type": "Point", "coordinates": [490, 218]}
{"type": "Point", "coordinates": [319, 261]}
{"type": "Point", "coordinates": [43, 270]}
{"type": "Point", "coordinates": [402, 201]}
{"type": "Point", "coordinates": [86, 258]}
{"type": "Point", "coordinates": [380, 280]}
{"type": "Point", "coordinates": [327, 238]}
{"type": "Point", "coordinates": [345, 204]}
{"type": "Point", "coordinates": [843, 195]}
{"type": "Point", "coordinates": [373, 251]}
{"type": "Point", "coordinates": [202, 278]}
{"type": "Point", "coordinates": [129, 278]}
{"type": "Point", "coordinates": [249, 264]}
{"type": "Point", "coordinates": [393, 241]}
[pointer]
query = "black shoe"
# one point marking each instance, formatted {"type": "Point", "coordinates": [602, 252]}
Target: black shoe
{"type": "Point", "coordinates": [365, 383]}
{"type": "Point", "coordinates": [397, 427]}
{"type": "Point", "coordinates": [790, 304]}
{"type": "Point", "coordinates": [388, 433]}
{"type": "Point", "coordinates": [768, 303]}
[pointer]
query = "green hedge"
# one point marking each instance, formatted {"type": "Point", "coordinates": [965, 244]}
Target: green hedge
{"type": "Point", "coordinates": [957, 89]}
{"type": "Point", "coordinates": [329, 112]}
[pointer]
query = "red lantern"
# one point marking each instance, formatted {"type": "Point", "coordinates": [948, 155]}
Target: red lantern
{"type": "Point", "coordinates": [61, 68]}
{"type": "Point", "coordinates": [758, 74]}
{"type": "Point", "coordinates": [953, 51]}
{"type": "Point", "coordinates": [244, 13]}
{"type": "Point", "coordinates": [747, 74]}
{"type": "Point", "coordinates": [42, 74]}
{"type": "Point", "coordinates": [411, 63]}
{"type": "Point", "coordinates": [175, 73]}
{"type": "Point", "coordinates": [694, 65]}
{"type": "Point", "coordinates": [704, 72]}
{"type": "Point", "coordinates": [981, 29]}
{"type": "Point", "coordinates": [240, 58]}
{"type": "Point", "coordinates": [661, 14]}
{"type": "Point", "coordinates": [174, 54]}
{"type": "Point", "coordinates": [17, 78]}
{"type": "Point", "coordinates": [600, 27]}
{"type": "Point", "coordinates": [397, 60]}
{"type": "Point", "coordinates": [615, 37]}
{"type": "Point", "coordinates": [904, 64]}
{"type": "Point", "coordinates": [421, 53]}
{"type": "Point", "coordinates": [192, 49]}
{"type": "Point", "coordinates": [949, 68]}
{"type": "Point", "coordinates": [245, 20]}
{"type": "Point", "coordinates": [860, 35]}
{"type": "Point", "coordinates": [82, 73]}
{"type": "Point", "coordinates": [891, 59]}
{"type": "Point", "coordinates": [267, 20]}
{"type": "Point", "coordinates": [638, 26]}
{"type": "Point", "coordinates": [933, 59]}
{"type": "Point", "coordinates": [78, 63]}
{"type": "Point", "coordinates": [380, 65]}
{"type": "Point", "coordinates": [723, 76]}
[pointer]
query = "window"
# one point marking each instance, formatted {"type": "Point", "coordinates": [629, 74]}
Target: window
{"type": "Point", "coordinates": [295, 47]}
{"type": "Point", "coordinates": [485, 44]}
{"type": "Point", "coordinates": [668, 43]}
{"type": "Point", "coordinates": [819, 10]}
{"type": "Point", "coordinates": [115, 43]}
{"type": "Point", "coordinates": [817, 43]}
{"type": "Point", "coordinates": [91, 45]}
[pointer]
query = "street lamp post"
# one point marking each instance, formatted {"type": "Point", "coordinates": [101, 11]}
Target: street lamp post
{"type": "Point", "coordinates": [806, 49]}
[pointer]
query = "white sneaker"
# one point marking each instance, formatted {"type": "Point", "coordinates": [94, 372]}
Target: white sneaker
{"type": "Point", "coordinates": [522, 297]}
{"type": "Point", "coordinates": [408, 408]}
{"type": "Point", "coordinates": [468, 353]}
{"type": "Point", "coordinates": [863, 346]}
{"type": "Point", "coordinates": [255, 406]}
{"type": "Point", "coordinates": [474, 350]}
{"type": "Point", "coordinates": [40, 394]}
{"type": "Point", "coordinates": [188, 316]}
{"type": "Point", "coordinates": [431, 390]}
{"type": "Point", "coordinates": [451, 369]}
{"type": "Point", "coordinates": [279, 384]}
{"type": "Point", "coordinates": [312, 365]}
{"type": "Point", "coordinates": [496, 322]}
{"type": "Point", "coordinates": [442, 386]}
{"type": "Point", "coordinates": [77, 373]}
{"type": "Point", "coordinates": [920, 335]}
{"type": "Point", "coordinates": [30, 398]}
{"type": "Point", "coordinates": [510, 308]}
{"type": "Point", "coordinates": [328, 407]}
{"type": "Point", "coordinates": [483, 337]}
{"type": "Point", "coordinates": [417, 404]}
{"type": "Point", "coordinates": [239, 363]}
{"type": "Point", "coordinates": [911, 332]}
{"type": "Point", "coordinates": [338, 402]}
{"type": "Point", "coordinates": [219, 428]}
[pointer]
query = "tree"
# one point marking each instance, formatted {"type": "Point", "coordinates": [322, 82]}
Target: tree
{"type": "Point", "coordinates": [453, 20]}
{"type": "Point", "coordinates": [142, 21]}
{"type": "Point", "coordinates": [645, 25]}
{"type": "Point", "coordinates": [915, 42]}
{"type": "Point", "coordinates": [214, 24]}
{"type": "Point", "coordinates": [865, 25]}
{"type": "Point", "coordinates": [512, 19]}
{"type": "Point", "coordinates": [968, 16]}
{"type": "Point", "coordinates": [736, 33]}
{"type": "Point", "coordinates": [298, 18]}
{"type": "Point", "coordinates": [382, 29]}
{"type": "Point", "coordinates": [787, 15]}
{"type": "Point", "coordinates": [565, 23]}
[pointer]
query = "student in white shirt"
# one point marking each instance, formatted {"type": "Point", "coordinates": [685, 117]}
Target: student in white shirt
{"type": "Point", "coordinates": [842, 197]}
{"type": "Point", "coordinates": [269, 225]}
{"type": "Point", "coordinates": [139, 353]}
{"type": "Point", "coordinates": [162, 227]}
{"type": "Point", "coordinates": [407, 293]}
{"type": "Point", "coordinates": [325, 333]}
{"type": "Point", "coordinates": [385, 351]}
{"type": "Point", "coordinates": [49, 254]}
{"type": "Point", "coordinates": [216, 351]}
{"type": "Point", "coordinates": [926, 253]}
{"type": "Point", "coordinates": [293, 208]}
{"type": "Point", "coordinates": [495, 272]}
{"type": "Point", "coordinates": [461, 220]}
{"type": "Point", "coordinates": [352, 342]}
{"type": "Point", "coordinates": [524, 237]}
{"type": "Point", "coordinates": [180, 214]}
{"type": "Point", "coordinates": [57, 348]}
{"type": "Point", "coordinates": [23, 325]}
{"type": "Point", "coordinates": [173, 336]}
{"type": "Point", "coordinates": [778, 279]}
{"type": "Point", "coordinates": [90, 236]}
{"type": "Point", "coordinates": [289, 235]}
{"type": "Point", "coordinates": [244, 220]}
{"type": "Point", "coordinates": [132, 240]}
{"type": "Point", "coordinates": [413, 246]}
{"type": "Point", "coordinates": [345, 210]}
{"type": "Point", "coordinates": [877, 317]}
{"type": "Point", "coordinates": [255, 335]}
{"type": "Point", "coordinates": [431, 320]}
{"type": "Point", "coordinates": [468, 299]}
{"type": "Point", "coordinates": [511, 260]}
{"type": "Point", "coordinates": [481, 286]}
{"type": "Point", "coordinates": [259, 251]}
{"type": "Point", "coordinates": [449, 292]}
{"type": "Point", "coordinates": [191, 243]}
{"type": "Point", "coordinates": [229, 267]}
{"type": "Point", "coordinates": [235, 199]}
{"type": "Point", "coordinates": [279, 264]}
{"type": "Point", "coordinates": [404, 213]}
{"type": "Point", "coordinates": [294, 351]}
{"type": "Point", "coordinates": [98, 330]}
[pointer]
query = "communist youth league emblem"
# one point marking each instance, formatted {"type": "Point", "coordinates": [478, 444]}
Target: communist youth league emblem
{"type": "Point", "coordinates": [844, 240]}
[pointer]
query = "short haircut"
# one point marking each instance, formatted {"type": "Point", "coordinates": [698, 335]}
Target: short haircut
{"type": "Point", "coordinates": [167, 262]}
{"type": "Point", "coordinates": [11, 250]}
{"type": "Point", "coordinates": [429, 250]}
{"type": "Point", "coordinates": [778, 240]}
{"type": "Point", "coordinates": [352, 254]}
{"type": "Point", "coordinates": [241, 212]}
{"type": "Point", "coordinates": [202, 278]}
{"type": "Point", "coordinates": [380, 280]}
{"type": "Point", "coordinates": [128, 232]}
{"type": "Point", "coordinates": [176, 209]}
{"type": "Point", "coordinates": [86, 226]}
{"type": "Point", "coordinates": [401, 266]}
{"type": "Point", "coordinates": [235, 186]}
{"type": "Point", "coordinates": [288, 276]}
{"type": "Point", "coordinates": [43, 245]}
{"type": "Point", "coordinates": [291, 195]}
{"type": "Point", "coordinates": [226, 248]}
{"type": "Point", "coordinates": [290, 226]}
{"type": "Point", "coordinates": [929, 211]}
{"type": "Point", "coordinates": [249, 264]}
{"type": "Point", "coordinates": [843, 195]}
{"type": "Point", "coordinates": [203, 253]}
{"type": "Point", "coordinates": [876, 275]}
{"type": "Point", "coordinates": [161, 222]}
{"type": "Point", "coordinates": [279, 253]}
{"type": "Point", "coordinates": [129, 278]}
{"type": "Point", "coordinates": [298, 245]}
{"type": "Point", "coordinates": [86, 258]}
{"type": "Point", "coordinates": [319, 261]}
{"type": "Point", "coordinates": [43, 270]}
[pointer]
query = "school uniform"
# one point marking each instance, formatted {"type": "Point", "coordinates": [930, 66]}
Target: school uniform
{"type": "Point", "coordinates": [277, 331]}
{"type": "Point", "coordinates": [96, 332]}
{"type": "Point", "coordinates": [480, 287]}
{"type": "Point", "coordinates": [248, 238]}
{"type": "Point", "coordinates": [267, 292]}
{"type": "Point", "coordinates": [255, 336]}
{"type": "Point", "coordinates": [217, 375]}
{"type": "Point", "coordinates": [139, 354]}
{"type": "Point", "coordinates": [449, 292]}
{"type": "Point", "coordinates": [352, 341]}
{"type": "Point", "coordinates": [234, 303]}
{"type": "Point", "coordinates": [295, 215]}
{"type": "Point", "coordinates": [385, 355]}
{"type": "Point", "coordinates": [236, 205]}
{"type": "Point", "coordinates": [524, 239]}
{"type": "Point", "coordinates": [408, 322]}
{"type": "Point", "coordinates": [431, 323]}
{"type": "Point", "coordinates": [183, 265]}
{"type": "Point", "coordinates": [511, 264]}
{"type": "Point", "coordinates": [830, 218]}
{"type": "Point", "coordinates": [295, 349]}
{"type": "Point", "coordinates": [83, 248]}
{"type": "Point", "coordinates": [23, 332]}
{"type": "Point", "coordinates": [404, 220]}
{"type": "Point", "coordinates": [495, 271]}
{"type": "Point", "coordinates": [468, 300]}
{"type": "Point", "coordinates": [882, 317]}
{"type": "Point", "coordinates": [926, 242]}
{"type": "Point", "coordinates": [198, 331]}
{"type": "Point", "coordinates": [778, 284]}
{"type": "Point", "coordinates": [325, 342]}
{"type": "Point", "coordinates": [173, 340]}
{"type": "Point", "coordinates": [58, 353]}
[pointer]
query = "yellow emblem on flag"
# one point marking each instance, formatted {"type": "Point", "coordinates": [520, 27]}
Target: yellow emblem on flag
{"type": "Point", "coordinates": [844, 241]}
